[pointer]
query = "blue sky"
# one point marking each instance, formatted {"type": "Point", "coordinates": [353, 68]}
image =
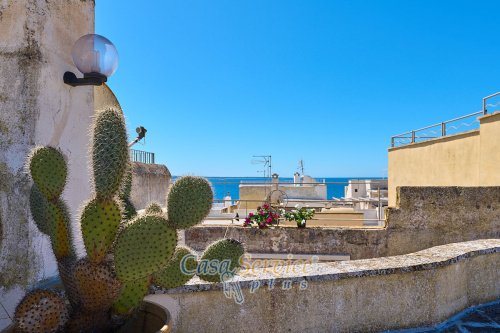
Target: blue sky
{"type": "Point", "coordinates": [216, 82]}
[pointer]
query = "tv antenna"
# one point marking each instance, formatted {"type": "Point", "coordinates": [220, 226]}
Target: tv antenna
{"type": "Point", "coordinates": [266, 160]}
{"type": "Point", "coordinates": [301, 167]}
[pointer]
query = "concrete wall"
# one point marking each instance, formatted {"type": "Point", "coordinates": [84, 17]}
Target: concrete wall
{"type": "Point", "coordinates": [406, 291]}
{"type": "Point", "coordinates": [257, 194]}
{"type": "Point", "coordinates": [425, 217]}
{"type": "Point", "coordinates": [150, 182]}
{"type": "Point", "coordinates": [466, 159]}
{"type": "Point", "coordinates": [37, 108]}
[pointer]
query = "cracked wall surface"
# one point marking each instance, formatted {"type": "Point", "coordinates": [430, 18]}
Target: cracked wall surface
{"type": "Point", "coordinates": [37, 108]}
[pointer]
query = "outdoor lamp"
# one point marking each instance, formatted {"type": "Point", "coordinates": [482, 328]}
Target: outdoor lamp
{"type": "Point", "coordinates": [96, 57]}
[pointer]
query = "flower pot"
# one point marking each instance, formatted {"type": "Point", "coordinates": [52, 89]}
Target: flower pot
{"type": "Point", "coordinates": [151, 318]}
{"type": "Point", "coordinates": [301, 224]}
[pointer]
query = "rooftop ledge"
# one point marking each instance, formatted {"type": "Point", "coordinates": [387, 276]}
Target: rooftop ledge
{"type": "Point", "coordinates": [432, 258]}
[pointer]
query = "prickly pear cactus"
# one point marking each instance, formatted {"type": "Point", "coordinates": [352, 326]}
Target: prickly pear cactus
{"type": "Point", "coordinates": [126, 253]}
{"type": "Point", "coordinates": [153, 208]}
{"type": "Point", "coordinates": [189, 201]}
{"type": "Point", "coordinates": [224, 249]}
{"type": "Point", "coordinates": [144, 246]}
{"type": "Point", "coordinates": [179, 270]}
{"type": "Point", "coordinates": [41, 311]}
{"type": "Point", "coordinates": [124, 195]}
{"type": "Point", "coordinates": [100, 220]}
{"type": "Point", "coordinates": [49, 171]}
{"type": "Point", "coordinates": [109, 152]}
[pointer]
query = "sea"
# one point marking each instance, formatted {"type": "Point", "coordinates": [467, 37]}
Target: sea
{"type": "Point", "coordinates": [224, 185]}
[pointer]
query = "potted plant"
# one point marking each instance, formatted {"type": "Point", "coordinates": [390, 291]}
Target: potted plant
{"type": "Point", "coordinates": [126, 252]}
{"type": "Point", "coordinates": [300, 215]}
{"type": "Point", "coordinates": [265, 217]}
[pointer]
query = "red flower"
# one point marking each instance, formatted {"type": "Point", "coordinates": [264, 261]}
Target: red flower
{"type": "Point", "coordinates": [269, 220]}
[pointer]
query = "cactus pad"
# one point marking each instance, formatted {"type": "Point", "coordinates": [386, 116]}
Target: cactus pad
{"type": "Point", "coordinates": [97, 284]}
{"type": "Point", "coordinates": [41, 311]}
{"type": "Point", "coordinates": [126, 184]}
{"type": "Point", "coordinates": [129, 211]}
{"type": "Point", "coordinates": [172, 276]}
{"type": "Point", "coordinates": [189, 201]}
{"type": "Point", "coordinates": [153, 208]}
{"type": "Point", "coordinates": [109, 152]}
{"type": "Point", "coordinates": [131, 296]}
{"type": "Point", "coordinates": [100, 221]}
{"type": "Point", "coordinates": [66, 266]}
{"type": "Point", "coordinates": [144, 246]}
{"type": "Point", "coordinates": [48, 170]}
{"type": "Point", "coordinates": [38, 207]}
{"type": "Point", "coordinates": [60, 235]}
{"type": "Point", "coordinates": [224, 249]}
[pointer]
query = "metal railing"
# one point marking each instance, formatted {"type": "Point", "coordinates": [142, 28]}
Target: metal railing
{"type": "Point", "coordinates": [142, 156]}
{"type": "Point", "coordinates": [435, 131]}
{"type": "Point", "coordinates": [442, 129]}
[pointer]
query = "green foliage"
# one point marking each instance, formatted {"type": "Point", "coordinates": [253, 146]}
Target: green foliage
{"type": "Point", "coordinates": [189, 201]}
{"type": "Point", "coordinates": [48, 170]}
{"type": "Point", "coordinates": [109, 152]}
{"type": "Point", "coordinates": [172, 276]}
{"type": "Point", "coordinates": [224, 249]}
{"type": "Point", "coordinates": [144, 246]}
{"type": "Point", "coordinates": [299, 215]}
{"type": "Point", "coordinates": [100, 221]}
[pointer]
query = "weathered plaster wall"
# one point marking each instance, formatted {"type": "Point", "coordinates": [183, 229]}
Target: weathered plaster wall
{"type": "Point", "coordinates": [359, 243]}
{"type": "Point", "coordinates": [425, 217]}
{"type": "Point", "coordinates": [150, 182]}
{"type": "Point", "coordinates": [36, 107]}
{"type": "Point", "coordinates": [371, 295]}
{"type": "Point", "coordinates": [466, 159]}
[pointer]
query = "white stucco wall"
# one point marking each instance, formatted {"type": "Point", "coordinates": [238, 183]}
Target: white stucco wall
{"type": "Point", "coordinates": [37, 108]}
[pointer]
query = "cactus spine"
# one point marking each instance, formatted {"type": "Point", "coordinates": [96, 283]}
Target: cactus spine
{"type": "Point", "coordinates": [144, 248]}
{"type": "Point", "coordinates": [41, 311]}
{"type": "Point", "coordinates": [49, 171]}
{"type": "Point", "coordinates": [153, 208]}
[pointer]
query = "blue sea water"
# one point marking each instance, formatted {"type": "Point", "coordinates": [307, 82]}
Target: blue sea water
{"type": "Point", "coordinates": [223, 185]}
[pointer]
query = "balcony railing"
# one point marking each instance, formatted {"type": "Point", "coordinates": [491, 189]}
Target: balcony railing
{"type": "Point", "coordinates": [449, 127]}
{"type": "Point", "coordinates": [142, 156]}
